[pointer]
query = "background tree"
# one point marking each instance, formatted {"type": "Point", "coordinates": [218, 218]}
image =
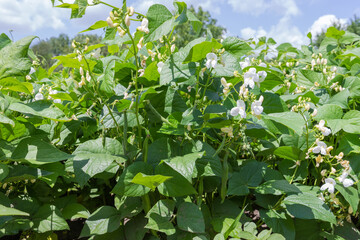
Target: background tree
{"type": "Point", "coordinates": [353, 26]}
{"type": "Point", "coordinates": [185, 33]}
{"type": "Point", "coordinates": [61, 45]}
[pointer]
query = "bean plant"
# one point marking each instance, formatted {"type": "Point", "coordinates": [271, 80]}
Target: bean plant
{"type": "Point", "coordinates": [220, 139]}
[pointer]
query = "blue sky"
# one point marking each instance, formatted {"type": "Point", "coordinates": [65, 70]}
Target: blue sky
{"type": "Point", "coordinates": [284, 20]}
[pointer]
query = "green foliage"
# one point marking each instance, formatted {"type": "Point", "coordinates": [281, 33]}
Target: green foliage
{"type": "Point", "coordinates": [179, 139]}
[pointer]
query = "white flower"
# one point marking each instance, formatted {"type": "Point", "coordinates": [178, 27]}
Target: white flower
{"type": "Point", "coordinates": [57, 100]}
{"type": "Point", "coordinates": [226, 85]}
{"type": "Point", "coordinates": [321, 126]}
{"type": "Point", "coordinates": [320, 148]}
{"type": "Point", "coordinates": [211, 60]}
{"type": "Point", "coordinates": [262, 65]}
{"type": "Point", "coordinates": [329, 185]}
{"type": "Point", "coordinates": [39, 96]}
{"type": "Point", "coordinates": [262, 75]}
{"type": "Point", "coordinates": [160, 65]}
{"type": "Point", "coordinates": [140, 44]}
{"type": "Point", "coordinates": [88, 76]}
{"type": "Point", "coordinates": [239, 109]}
{"type": "Point", "coordinates": [53, 91]}
{"type": "Point", "coordinates": [144, 26]}
{"type": "Point", "coordinates": [256, 106]}
{"type": "Point", "coordinates": [347, 182]}
{"type": "Point", "coordinates": [250, 77]}
{"type": "Point", "coordinates": [142, 72]}
{"type": "Point", "coordinates": [246, 63]}
{"type": "Point", "coordinates": [110, 22]}
{"type": "Point", "coordinates": [131, 11]}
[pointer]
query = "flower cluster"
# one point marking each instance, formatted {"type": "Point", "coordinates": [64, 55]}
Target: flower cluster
{"type": "Point", "coordinates": [240, 108]}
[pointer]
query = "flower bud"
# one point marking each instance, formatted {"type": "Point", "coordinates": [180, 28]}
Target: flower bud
{"type": "Point", "coordinates": [110, 23]}
{"type": "Point", "coordinates": [172, 49]}
{"type": "Point", "coordinates": [81, 70]}
{"type": "Point", "coordinates": [127, 20]}
{"type": "Point", "coordinates": [314, 113]}
{"type": "Point", "coordinates": [131, 11]}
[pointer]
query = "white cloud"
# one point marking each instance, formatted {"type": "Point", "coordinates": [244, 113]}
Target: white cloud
{"type": "Point", "coordinates": [323, 22]}
{"type": "Point", "coordinates": [247, 33]}
{"type": "Point", "coordinates": [258, 7]}
{"type": "Point", "coordinates": [25, 15]}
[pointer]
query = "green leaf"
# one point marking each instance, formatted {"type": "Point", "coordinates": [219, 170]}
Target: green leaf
{"type": "Point", "coordinates": [159, 216]}
{"type": "Point", "coordinates": [161, 22]}
{"type": "Point", "coordinates": [92, 157]}
{"type": "Point", "coordinates": [291, 120]}
{"type": "Point", "coordinates": [9, 211]}
{"type": "Point", "coordinates": [150, 181]}
{"type": "Point", "coordinates": [4, 171]}
{"type": "Point", "coordinates": [288, 152]}
{"type": "Point", "coordinates": [308, 78]}
{"type": "Point", "coordinates": [174, 102]}
{"type": "Point", "coordinates": [350, 194]}
{"type": "Point", "coordinates": [228, 64]}
{"type": "Point", "coordinates": [41, 109]}
{"type": "Point", "coordinates": [105, 219]}
{"type": "Point", "coordinates": [307, 206]}
{"type": "Point", "coordinates": [4, 119]}
{"type": "Point", "coordinates": [250, 175]}
{"type": "Point", "coordinates": [333, 32]}
{"type": "Point", "coordinates": [13, 84]}
{"type": "Point", "coordinates": [125, 186]}
{"type": "Point", "coordinates": [37, 151]}
{"type": "Point", "coordinates": [14, 59]}
{"type": "Point", "coordinates": [176, 186]}
{"type": "Point", "coordinates": [279, 222]}
{"type": "Point", "coordinates": [49, 218]}
{"type": "Point", "coordinates": [273, 103]}
{"type": "Point", "coordinates": [340, 99]}
{"type": "Point", "coordinates": [199, 51]}
{"type": "Point", "coordinates": [349, 143]}
{"type": "Point", "coordinates": [329, 111]}
{"type": "Point", "coordinates": [75, 210]}
{"type": "Point", "coordinates": [185, 165]}
{"type": "Point", "coordinates": [4, 40]}
{"type": "Point", "coordinates": [236, 46]}
{"type": "Point", "coordinates": [190, 218]}
{"type": "Point", "coordinates": [97, 25]}
{"type": "Point", "coordinates": [277, 187]}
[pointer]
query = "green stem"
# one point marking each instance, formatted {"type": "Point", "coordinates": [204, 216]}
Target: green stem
{"type": "Point", "coordinates": [113, 118]}
{"type": "Point", "coordinates": [224, 178]}
{"type": "Point", "coordinates": [109, 5]}
{"type": "Point", "coordinates": [157, 113]}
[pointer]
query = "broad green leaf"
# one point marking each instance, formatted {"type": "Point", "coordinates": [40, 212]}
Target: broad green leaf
{"type": "Point", "coordinates": [250, 175]}
{"type": "Point", "coordinates": [161, 22]}
{"type": "Point", "coordinates": [49, 218]}
{"type": "Point", "coordinates": [329, 111]}
{"type": "Point", "coordinates": [105, 219]}
{"type": "Point", "coordinates": [350, 194]}
{"type": "Point", "coordinates": [308, 78]}
{"type": "Point", "coordinates": [279, 222]}
{"type": "Point", "coordinates": [340, 99]}
{"type": "Point", "coordinates": [4, 40]}
{"type": "Point", "coordinates": [273, 103]}
{"type": "Point", "coordinates": [174, 102]}
{"type": "Point", "coordinates": [307, 206]}
{"type": "Point", "coordinates": [190, 218]}
{"type": "Point", "coordinates": [349, 143]}
{"type": "Point", "coordinates": [125, 186]}
{"type": "Point", "coordinates": [4, 119]}
{"type": "Point", "coordinates": [288, 152]}
{"type": "Point", "coordinates": [159, 216]}
{"type": "Point", "coordinates": [128, 206]}
{"type": "Point", "coordinates": [41, 109]}
{"type": "Point", "coordinates": [4, 171]}
{"type": "Point", "coordinates": [151, 75]}
{"type": "Point", "coordinates": [176, 186]}
{"type": "Point", "coordinates": [150, 181]}
{"type": "Point", "coordinates": [13, 84]}
{"type": "Point", "coordinates": [92, 157]}
{"type": "Point", "coordinates": [185, 165]}
{"type": "Point", "coordinates": [347, 231]}
{"type": "Point", "coordinates": [227, 66]}
{"type": "Point", "coordinates": [236, 46]}
{"type": "Point", "coordinates": [277, 187]}
{"type": "Point", "coordinates": [37, 151]}
{"type": "Point", "coordinates": [14, 59]}
{"type": "Point", "coordinates": [291, 120]}
{"type": "Point", "coordinates": [97, 25]}
{"type": "Point", "coordinates": [9, 211]}
{"type": "Point", "coordinates": [75, 210]}
{"type": "Point", "coordinates": [174, 70]}
{"type": "Point", "coordinates": [199, 51]}
{"type": "Point", "coordinates": [333, 32]}
{"type": "Point", "coordinates": [135, 228]}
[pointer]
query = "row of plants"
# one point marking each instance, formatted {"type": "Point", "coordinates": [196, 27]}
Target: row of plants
{"type": "Point", "coordinates": [220, 139]}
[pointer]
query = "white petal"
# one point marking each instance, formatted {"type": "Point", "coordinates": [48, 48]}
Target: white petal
{"type": "Point", "coordinates": [213, 63]}
{"type": "Point", "coordinates": [262, 65]}
{"type": "Point", "coordinates": [211, 56]}
{"type": "Point", "coordinates": [234, 111]}
{"type": "Point", "coordinates": [330, 181]}
{"type": "Point", "coordinates": [242, 113]}
{"type": "Point", "coordinates": [316, 149]}
{"type": "Point", "coordinates": [240, 104]}
{"type": "Point", "coordinates": [348, 182]}
{"type": "Point", "coordinates": [325, 186]}
{"type": "Point", "coordinates": [326, 131]}
{"type": "Point", "coordinates": [323, 151]}
{"type": "Point", "coordinates": [208, 63]}
{"type": "Point", "coordinates": [331, 188]}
